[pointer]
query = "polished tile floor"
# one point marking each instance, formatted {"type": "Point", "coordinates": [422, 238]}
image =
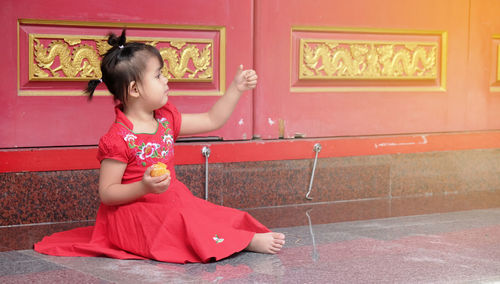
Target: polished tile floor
{"type": "Point", "coordinates": [458, 247]}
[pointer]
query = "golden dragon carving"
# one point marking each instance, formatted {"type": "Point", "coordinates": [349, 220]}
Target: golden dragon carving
{"type": "Point", "coordinates": [343, 62]}
{"type": "Point", "coordinates": [409, 60]}
{"type": "Point", "coordinates": [81, 62]}
{"type": "Point", "coordinates": [368, 61]}
{"type": "Point", "coordinates": [178, 64]}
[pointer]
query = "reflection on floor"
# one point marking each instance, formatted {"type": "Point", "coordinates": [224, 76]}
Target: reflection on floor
{"type": "Point", "coordinates": [458, 247]}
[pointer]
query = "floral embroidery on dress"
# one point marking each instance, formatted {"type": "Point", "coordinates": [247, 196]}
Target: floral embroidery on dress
{"type": "Point", "coordinates": [217, 239]}
{"type": "Point", "coordinates": [149, 152]}
{"type": "Point", "coordinates": [166, 137]}
{"type": "Point", "coordinates": [130, 138]}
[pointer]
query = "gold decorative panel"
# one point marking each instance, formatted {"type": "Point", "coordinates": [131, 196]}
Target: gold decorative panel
{"type": "Point", "coordinates": [57, 58]}
{"type": "Point", "coordinates": [498, 63]}
{"type": "Point", "coordinates": [495, 64]}
{"type": "Point", "coordinates": [345, 59]}
{"type": "Point", "coordinates": [73, 58]}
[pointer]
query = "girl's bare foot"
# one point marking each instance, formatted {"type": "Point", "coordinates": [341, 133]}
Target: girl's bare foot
{"type": "Point", "coordinates": [266, 242]}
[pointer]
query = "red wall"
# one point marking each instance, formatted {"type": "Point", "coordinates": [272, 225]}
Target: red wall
{"type": "Point", "coordinates": [458, 109]}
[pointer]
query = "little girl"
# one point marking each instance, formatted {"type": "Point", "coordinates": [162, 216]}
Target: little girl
{"type": "Point", "coordinates": [145, 217]}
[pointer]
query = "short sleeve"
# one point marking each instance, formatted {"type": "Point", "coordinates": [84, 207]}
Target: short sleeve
{"type": "Point", "coordinates": [170, 112]}
{"type": "Point", "coordinates": [112, 147]}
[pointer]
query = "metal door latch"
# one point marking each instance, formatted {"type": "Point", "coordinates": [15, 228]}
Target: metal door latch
{"type": "Point", "coordinates": [206, 152]}
{"type": "Point", "coordinates": [317, 149]}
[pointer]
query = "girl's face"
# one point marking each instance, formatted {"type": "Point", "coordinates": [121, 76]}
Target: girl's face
{"type": "Point", "coordinates": [153, 87]}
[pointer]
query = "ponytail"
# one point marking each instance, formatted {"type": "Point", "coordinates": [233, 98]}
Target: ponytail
{"type": "Point", "coordinates": [91, 86]}
{"type": "Point", "coordinates": [117, 41]}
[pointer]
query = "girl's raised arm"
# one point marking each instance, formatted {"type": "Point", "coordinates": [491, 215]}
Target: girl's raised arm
{"type": "Point", "coordinates": [216, 117]}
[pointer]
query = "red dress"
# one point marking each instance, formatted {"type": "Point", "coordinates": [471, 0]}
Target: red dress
{"type": "Point", "coordinates": [174, 226]}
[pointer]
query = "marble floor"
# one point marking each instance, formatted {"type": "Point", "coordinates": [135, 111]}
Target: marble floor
{"type": "Point", "coordinates": [457, 247]}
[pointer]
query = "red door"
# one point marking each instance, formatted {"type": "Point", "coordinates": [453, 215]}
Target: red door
{"type": "Point", "coordinates": [51, 47]}
{"type": "Point", "coordinates": [361, 67]}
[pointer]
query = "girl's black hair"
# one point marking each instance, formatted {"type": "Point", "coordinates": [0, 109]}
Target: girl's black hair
{"type": "Point", "coordinates": [122, 64]}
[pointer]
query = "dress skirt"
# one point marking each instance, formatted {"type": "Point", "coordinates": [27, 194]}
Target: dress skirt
{"type": "Point", "coordinates": [174, 226]}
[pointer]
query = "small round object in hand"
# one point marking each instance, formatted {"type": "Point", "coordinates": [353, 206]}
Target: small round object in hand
{"type": "Point", "coordinates": [159, 169]}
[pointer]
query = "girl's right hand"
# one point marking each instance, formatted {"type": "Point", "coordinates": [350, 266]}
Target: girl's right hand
{"type": "Point", "coordinates": [155, 185]}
